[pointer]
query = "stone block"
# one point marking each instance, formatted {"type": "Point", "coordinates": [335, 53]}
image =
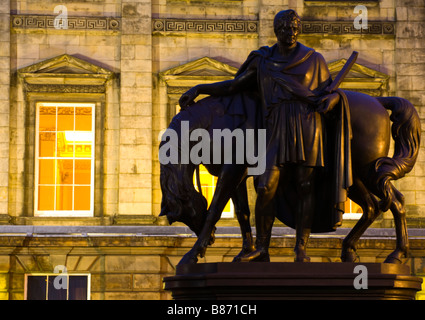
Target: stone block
{"type": "Point", "coordinates": [141, 152]}
{"type": "Point", "coordinates": [142, 94]}
{"type": "Point", "coordinates": [135, 208]}
{"type": "Point", "coordinates": [420, 197]}
{"type": "Point", "coordinates": [132, 263]}
{"type": "Point", "coordinates": [135, 166]}
{"type": "Point", "coordinates": [118, 282]}
{"type": "Point", "coordinates": [410, 30]}
{"type": "Point", "coordinates": [147, 282]}
{"type": "Point", "coordinates": [418, 82]}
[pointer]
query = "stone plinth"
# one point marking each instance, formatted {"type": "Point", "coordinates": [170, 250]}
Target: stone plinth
{"type": "Point", "coordinates": [288, 281]}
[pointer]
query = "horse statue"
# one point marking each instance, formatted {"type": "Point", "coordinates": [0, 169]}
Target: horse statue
{"type": "Point", "coordinates": [373, 170]}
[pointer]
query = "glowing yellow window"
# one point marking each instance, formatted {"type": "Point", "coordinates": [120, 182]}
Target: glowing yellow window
{"type": "Point", "coordinates": [352, 210]}
{"type": "Point", "coordinates": [64, 166]}
{"type": "Point", "coordinates": [208, 184]}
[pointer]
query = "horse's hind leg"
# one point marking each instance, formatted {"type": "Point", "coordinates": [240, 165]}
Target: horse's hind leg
{"type": "Point", "coordinates": [402, 243]}
{"type": "Point", "coordinates": [361, 195]}
{"type": "Point", "coordinates": [240, 201]}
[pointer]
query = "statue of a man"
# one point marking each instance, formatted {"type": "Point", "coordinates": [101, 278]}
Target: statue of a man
{"type": "Point", "coordinates": [290, 79]}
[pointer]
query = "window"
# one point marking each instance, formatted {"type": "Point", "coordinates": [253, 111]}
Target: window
{"type": "Point", "coordinates": [64, 159]}
{"type": "Point", "coordinates": [352, 210]}
{"type": "Point", "coordinates": [57, 287]}
{"type": "Point", "coordinates": [208, 183]}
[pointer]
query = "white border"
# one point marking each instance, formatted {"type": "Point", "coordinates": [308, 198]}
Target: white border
{"type": "Point", "coordinates": [63, 213]}
{"type": "Point", "coordinates": [57, 274]}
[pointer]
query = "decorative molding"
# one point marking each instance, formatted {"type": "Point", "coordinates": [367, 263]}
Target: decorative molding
{"type": "Point", "coordinates": [64, 88]}
{"type": "Point", "coordinates": [74, 23]}
{"type": "Point", "coordinates": [64, 74]}
{"type": "Point", "coordinates": [347, 27]}
{"type": "Point", "coordinates": [200, 26]}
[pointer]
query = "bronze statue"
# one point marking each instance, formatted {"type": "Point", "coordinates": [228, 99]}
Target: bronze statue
{"type": "Point", "coordinates": [320, 145]}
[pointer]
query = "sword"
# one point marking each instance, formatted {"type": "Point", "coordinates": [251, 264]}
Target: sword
{"type": "Point", "coordinates": [341, 75]}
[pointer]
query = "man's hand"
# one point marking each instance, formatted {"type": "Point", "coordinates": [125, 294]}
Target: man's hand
{"type": "Point", "coordinates": [328, 102]}
{"type": "Point", "coordinates": [188, 98]}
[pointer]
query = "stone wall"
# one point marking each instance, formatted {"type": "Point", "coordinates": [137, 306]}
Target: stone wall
{"type": "Point", "coordinates": [409, 66]}
{"type": "Point", "coordinates": [127, 263]}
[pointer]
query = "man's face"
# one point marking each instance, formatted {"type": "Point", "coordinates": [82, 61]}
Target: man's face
{"type": "Point", "coordinates": [288, 33]}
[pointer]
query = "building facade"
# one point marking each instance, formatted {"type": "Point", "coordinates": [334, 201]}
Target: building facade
{"type": "Point", "coordinates": [86, 88]}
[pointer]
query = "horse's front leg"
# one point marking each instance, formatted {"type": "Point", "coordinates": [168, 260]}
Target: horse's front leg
{"type": "Point", "coordinates": [227, 182]}
{"type": "Point", "coordinates": [361, 195]}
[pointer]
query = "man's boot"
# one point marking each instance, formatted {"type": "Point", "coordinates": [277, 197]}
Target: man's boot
{"type": "Point", "coordinates": [262, 241]}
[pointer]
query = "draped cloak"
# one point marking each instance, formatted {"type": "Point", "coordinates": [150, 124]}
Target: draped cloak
{"type": "Point", "coordinates": [288, 93]}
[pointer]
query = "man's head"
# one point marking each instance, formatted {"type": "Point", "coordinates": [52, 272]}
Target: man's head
{"type": "Point", "coordinates": [287, 26]}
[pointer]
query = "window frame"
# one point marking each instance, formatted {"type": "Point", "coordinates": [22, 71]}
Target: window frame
{"type": "Point", "coordinates": [64, 213]}
{"type": "Point", "coordinates": [51, 274]}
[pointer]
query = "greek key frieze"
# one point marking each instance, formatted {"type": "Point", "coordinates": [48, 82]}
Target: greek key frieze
{"type": "Point", "coordinates": [73, 23]}
{"type": "Point", "coordinates": [225, 26]}
{"type": "Point", "coordinates": [347, 27]}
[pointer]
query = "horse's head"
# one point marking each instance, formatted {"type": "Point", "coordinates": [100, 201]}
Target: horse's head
{"type": "Point", "coordinates": [180, 201]}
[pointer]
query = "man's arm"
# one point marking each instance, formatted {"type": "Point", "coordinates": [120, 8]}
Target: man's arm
{"type": "Point", "coordinates": [223, 88]}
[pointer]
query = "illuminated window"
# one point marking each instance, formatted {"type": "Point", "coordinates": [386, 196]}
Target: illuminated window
{"type": "Point", "coordinates": [57, 287]}
{"type": "Point", "coordinates": [64, 162]}
{"type": "Point", "coordinates": [352, 210]}
{"type": "Point", "coordinates": [208, 183]}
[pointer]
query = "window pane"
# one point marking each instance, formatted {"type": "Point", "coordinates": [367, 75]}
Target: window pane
{"type": "Point", "coordinates": [65, 147]}
{"type": "Point", "coordinates": [36, 287]}
{"type": "Point", "coordinates": [47, 119]}
{"type": "Point", "coordinates": [64, 198]}
{"type": "Point", "coordinates": [46, 198]}
{"type": "Point", "coordinates": [46, 171]}
{"type": "Point", "coordinates": [82, 198]}
{"type": "Point", "coordinates": [77, 288]}
{"type": "Point", "coordinates": [82, 171]}
{"type": "Point", "coordinates": [65, 171]}
{"type": "Point", "coordinates": [65, 118]}
{"type": "Point", "coordinates": [57, 293]}
{"type": "Point", "coordinates": [83, 118]}
{"type": "Point", "coordinates": [47, 144]}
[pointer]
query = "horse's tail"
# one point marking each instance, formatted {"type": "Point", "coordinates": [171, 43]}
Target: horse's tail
{"type": "Point", "coordinates": [406, 131]}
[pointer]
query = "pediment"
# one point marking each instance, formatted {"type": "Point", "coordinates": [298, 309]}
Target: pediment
{"type": "Point", "coordinates": [204, 67]}
{"type": "Point", "coordinates": [65, 64]}
{"type": "Point", "coordinates": [65, 69]}
{"type": "Point", "coordinates": [360, 78]}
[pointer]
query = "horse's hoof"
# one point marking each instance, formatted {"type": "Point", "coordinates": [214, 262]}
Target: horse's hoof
{"type": "Point", "coordinates": [243, 253]}
{"type": "Point", "coordinates": [300, 255]}
{"type": "Point", "coordinates": [302, 259]}
{"type": "Point", "coordinates": [256, 256]}
{"type": "Point", "coordinates": [396, 257]}
{"type": "Point", "coordinates": [393, 260]}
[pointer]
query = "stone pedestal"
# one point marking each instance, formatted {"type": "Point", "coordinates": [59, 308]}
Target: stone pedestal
{"type": "Point", "coordinates": [289, 281]}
